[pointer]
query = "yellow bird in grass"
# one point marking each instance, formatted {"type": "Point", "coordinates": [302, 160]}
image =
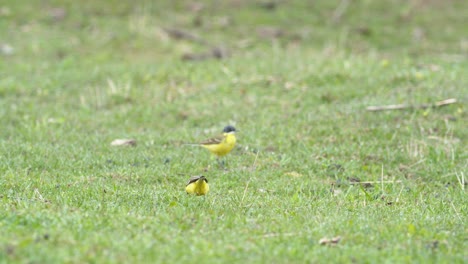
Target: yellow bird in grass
{"type": "Point", "coordinates": [197, 185]}
{"type": "Point", "coordinates": [222, 145]}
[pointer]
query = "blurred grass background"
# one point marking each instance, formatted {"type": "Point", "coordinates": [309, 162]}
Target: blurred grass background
{"type": "Point", "coordinates": [294, 77]}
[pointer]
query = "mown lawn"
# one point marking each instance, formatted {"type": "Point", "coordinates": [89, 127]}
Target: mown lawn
{"type": "Point", "coordinates": [294, 77]}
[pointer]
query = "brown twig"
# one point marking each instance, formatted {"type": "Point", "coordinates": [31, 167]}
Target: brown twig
{"type": "Point", "coordinates": [176, 33]}
{"type": "Point", "coordinates": [404, 106]}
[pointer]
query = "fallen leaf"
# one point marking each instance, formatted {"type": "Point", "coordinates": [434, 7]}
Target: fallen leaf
{"type": "Point", "coordinates": [124, 142]}
{"type": "Point", "coordinates": [6, 49]}
{"type": "Point", "coordinates": [5, 11]}
{"type": "Point", "coordinates": [330, 241]}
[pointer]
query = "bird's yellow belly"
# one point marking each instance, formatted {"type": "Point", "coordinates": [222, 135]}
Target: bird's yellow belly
{"type": "Point", "coordinates": [220, 149]}
{"type": "Point", "coordinates": [224, 147]}
{"type": "Point", "coordinates": [198, 188]}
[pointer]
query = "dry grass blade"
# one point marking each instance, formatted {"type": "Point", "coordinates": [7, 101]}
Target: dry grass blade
{"type": "Point", "coordinates": [404, 106]}
{"type": "Point", "coordinates": [245, 192]}
{"type": "Point", "coordinates": [456, 212]}
{"type": "Point", "coordinates": [268, 235]}
{"type": "Point", "coordinates": [254, 165]}
{"type": "Point", "coordinates": [461, 180]}
{"type": "Point", "coordinates": [340, 10]}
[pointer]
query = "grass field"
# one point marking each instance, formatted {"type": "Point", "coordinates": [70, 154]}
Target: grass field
{"type": "Point", "coordinates": [294, 77]}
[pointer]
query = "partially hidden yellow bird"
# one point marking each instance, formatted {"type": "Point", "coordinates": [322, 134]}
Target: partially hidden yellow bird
{"type": "Point", "coordinates": [222, 145]}
{"type": "Point", "coordinates": [197, 185]}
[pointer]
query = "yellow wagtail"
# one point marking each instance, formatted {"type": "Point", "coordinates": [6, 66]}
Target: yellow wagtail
{"type": "Point", "coordinates": [197, 185]}
{"type": "Point", "coordinates": [222, 145]}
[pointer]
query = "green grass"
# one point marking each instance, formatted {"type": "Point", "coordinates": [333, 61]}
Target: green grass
{"type": "Point", "coordinates": [105, 70]}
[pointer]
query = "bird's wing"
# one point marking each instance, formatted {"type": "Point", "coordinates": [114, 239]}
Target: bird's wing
{"type": "Point", "coordinates": [193, 179]}
{"type": "Point", "coordinates": [213, 141]}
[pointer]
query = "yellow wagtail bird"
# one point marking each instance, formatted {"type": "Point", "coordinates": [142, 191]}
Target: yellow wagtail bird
{"type": "Point", "coordinates": [222, 145]}
{"type": "Point", "coordinates": [197, 185]}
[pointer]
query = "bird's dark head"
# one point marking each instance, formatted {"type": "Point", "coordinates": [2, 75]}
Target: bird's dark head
{"type": "Point", "coordinates": [202, 178]}
{"type": "Point", "coordinates": [229, 129]}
